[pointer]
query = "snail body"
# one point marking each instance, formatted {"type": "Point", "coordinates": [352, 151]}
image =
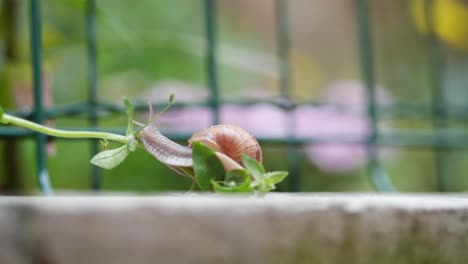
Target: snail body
{"type": "Point", "coordinates": [228, 142]}
{"type": "Point", "coordinates": [164, 149]}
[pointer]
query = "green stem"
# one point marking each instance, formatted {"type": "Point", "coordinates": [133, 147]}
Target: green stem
{"type": "Point", "coordinates": [63, 133]}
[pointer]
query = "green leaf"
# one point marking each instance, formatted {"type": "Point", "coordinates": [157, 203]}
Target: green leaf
{"type": "Point", "coordinates": [206, 165]}
{"type": "Point", "coordinates": [275, 177]}
{"type": "Point", "coordinates": [220, 188]}
{"type": "Point", "coordinates": [130, 109]}
{"type": "Point", "coordinates": [236, 181]}
{"type": "Point", "coordinates": [109, 159]}
{"type": "Point", "coordinates": [237, 176]}
{"type": "Point", "coordinates": [1, 116]}
{"type": "Point", "coordinates": [268, 181]}
{"type": "Point", "coordinates": [254, 167]}
{"type": "Point", "coordinates": [262, 186]}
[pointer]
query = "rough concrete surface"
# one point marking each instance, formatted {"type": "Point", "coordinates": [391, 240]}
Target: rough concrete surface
{"type": "Point", "coordinates": [279, 228]}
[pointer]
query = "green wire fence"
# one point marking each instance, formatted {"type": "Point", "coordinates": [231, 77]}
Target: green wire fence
{"type": "Point", "coordinates": [377, 175]}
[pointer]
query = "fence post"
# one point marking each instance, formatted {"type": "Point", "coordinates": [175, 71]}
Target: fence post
{"type": "Point", "coordinates": [92, 85]}
{"type": "Point", "coordinates": [211, 52]}
{"type": "Point", "coordinates": [439, 122]}
{"type": "Point", "coordinates": [282, 40]}
{"type": "Point", "coordinates": [39, 113]}
{"type": "Point", "coordinates": [378, 176]}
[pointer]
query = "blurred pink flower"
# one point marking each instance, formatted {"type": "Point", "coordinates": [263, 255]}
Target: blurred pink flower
{"type": "Point", "coordinates": [312, 122]}
{"type": "Point", "coordinates": [330, 121]}
{"type": "Point", "coordinates": [261, 120]}
{"type": "Point", "coordinates": [352, 95]}
{"type": "Point", "coordinates": [186, 120]}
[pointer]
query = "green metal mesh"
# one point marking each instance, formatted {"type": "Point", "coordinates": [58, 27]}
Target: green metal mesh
{"type": "Point", "coordinates": [378, 176]}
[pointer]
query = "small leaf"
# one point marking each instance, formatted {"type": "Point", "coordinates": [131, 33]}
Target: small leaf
{"type": "Point", "coordinates": [109, 159]}
{"type": "Point", "coordinates": [206, 165]}
{"type": "Point", "coordinates": [171, 98]}
{"type": "Point", "coordinates": [1, 116]}
{"type": "Point", "coordinates": [276, 177]}
{"type": "Point", "coordinates": [237, 176]}
{"type": "Point", "coordinates": [268, 181]}
{"type": "Point", "coordinates": [222, 188]}
{"type": "Point", "coordinates": [130, 109]}
{"type": "Point", "coordinates": [236, 181]}
{"type": "Point", "coordinates": [254, 167]}
{"type": "Point", "coordinates": [262, 186]}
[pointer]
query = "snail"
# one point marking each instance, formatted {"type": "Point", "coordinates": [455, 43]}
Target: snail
{"type": "Point", "coordinates": [228, 142]}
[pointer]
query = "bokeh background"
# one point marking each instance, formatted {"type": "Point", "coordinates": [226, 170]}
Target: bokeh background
{"type": "Point", "coordinates": [148, 49]}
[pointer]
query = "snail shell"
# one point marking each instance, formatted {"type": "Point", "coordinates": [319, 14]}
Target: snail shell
{"type": "Point", "coordinates": [228, 141]}
{"type": "Point", "coordinates": [231, 140]}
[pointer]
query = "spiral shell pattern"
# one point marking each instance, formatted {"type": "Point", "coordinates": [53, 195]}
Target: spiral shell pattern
{"type": "Point", "coordinates": [231, 140]}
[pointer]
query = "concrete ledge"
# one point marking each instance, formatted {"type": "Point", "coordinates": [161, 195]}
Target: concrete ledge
{"type": "Point", "coordinates": [280, 228]}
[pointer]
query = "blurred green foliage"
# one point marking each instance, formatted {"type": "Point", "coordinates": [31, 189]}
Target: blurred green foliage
{"type": "Point", "coordinates": [143, 41]}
